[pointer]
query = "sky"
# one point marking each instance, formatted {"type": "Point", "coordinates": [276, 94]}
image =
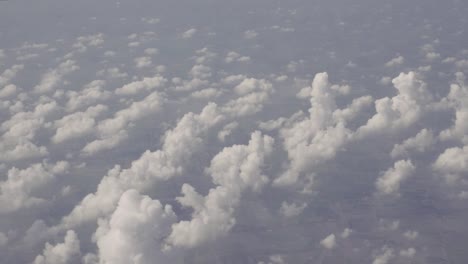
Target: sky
{"type": "Point", "coordinates": [210, 131]}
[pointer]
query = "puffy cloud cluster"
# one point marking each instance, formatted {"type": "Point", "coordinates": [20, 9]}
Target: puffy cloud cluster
{"type": "Point", "coordinates": [317, 138]}
{"type": "Point", "coordinates": [178, 147]}
{"type": "Point", "coordinates": [62, 253]}
{"type": "Point", "coordinates": [54, 77]}
{"type": "Point", "coordinates": [24, 188]}
{"type": "Point", "coordinates": [389, 182]}
{"type": "Point", "coordinates": [19, 132]}
{"type": "Point", "coordinates": [234, 170]}
{"type": "Point", "coordinates": [142, 145]}
{"type": "Point", "coordinates": [112, 131]}
{"type": "Point", "coordinates": [135, 231]}
{"type": "Point", "coordinates": [401, 111]}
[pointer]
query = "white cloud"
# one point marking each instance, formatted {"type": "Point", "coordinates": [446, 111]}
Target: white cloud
{"type": "Point", "coordinates": [178, 147]}
{"type": "Point", "coordinates": [316, 139]}
{"type": "Point", "coordinates": [9, 74]}
{"type": "Point", "coordinates": [20, 188]}
{"type": "Point", "coordinates": [61, 253]}
{"type": "Point", "coordinates": [390, 181]}
{"type": "Point", "coordinates": [420, 143]}
{"type": "Point", "coordinates": [408, 253]}
{"type": "Point", "coordinates": [90, 94]}
{"type": "Point", "coordinates": [329, 242]}
{"type": "Point", "coordinates": [189, 33]}
{"type": "Point", "coordinates": [452, 163]}
{"type": "Point", "coordinates": [395, 61]}
{"type": "Point", "coordinates": [77, 124]}
{"type": "Point", "coordinates": [112, 131]}
{"type": "Point", "coordinates": [227, 130]}
{"type": "Point", "coordinates": [346, 233]}
{"type": "Point", "coordinates": [250, 34]}
{"type": "Point", "coordinates": [20, 130]}
{"type": "Point", "coordinates": [53, 77]}
{"type": "Point", "coordinates": [290, 210]}
{"type": "Point", "coordinates": [233, 56]}
{"type": "Point", "coordinates": [148, 84]}
{"type": "Point", "coordinates": [457, 99]}
{"type": "Point", "coordinates": [235, 169]}
{"type": "Point", "coordinates": [143, 62]}
{"type": "Point", "coordinates": [254, 93]}
{"type": "Point", "coordinates": [411, 235]}
{"type": "Point", "coordinates": [385, 257]}
{"type": "Point", "coordinates": [401, 111]}
{"type": "Point", "coordinates": [135, 231]}
{"type": "Point", "coordinates": [8, 91]}
{"type": "Point", "coordinates": [206, 93]}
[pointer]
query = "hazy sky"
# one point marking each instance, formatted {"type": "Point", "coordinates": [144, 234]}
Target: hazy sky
{"type": "Point", "coordinates": [260, 131]}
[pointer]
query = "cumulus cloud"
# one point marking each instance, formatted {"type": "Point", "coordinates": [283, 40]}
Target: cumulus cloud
{"type": "Point", "coordinates": [457, 100]}
{"type": "Point", "coordinates": [401, 111]}
{"type": "Point", "coordinates": [61, 253]}
{"type": "Point", "coordinates": [8, 91]}
{"type": "Point", "coordinates": [91, 93]}
{"type": "Point", "coordinates": [313, 140]}
{"type": "Point", "coordinates": [390, 181]}
{"type": "Point", "coordinates": [77, 124]}
{"type": "Point", "coordinates": [9, 74]}
{"type": "Point", "coordinates": [395, 61]}
{"type": "Point", "coordinates": [54, 77]}
{"type": "Point", "coordinates": [235, 169]}
{"type": "Point", "coordinates": [135, 231]}
{"type": "Point", "coordinates": [419, 143]}
{"type": "Point", "coordinates": [178, 147]}
{"type": "Point", "coordinates": [19, 132]}
{"type": "Point", "coordinates": [148, 84]}
{"type": "Point", "coordinates": [384, 257]}
{"type": "Point", "coordinates": [189, 33]}
{"type": "Point", "coordinates": [452, 163]}
{"type": "Point", "coordinates": [112, 131]}
{"type": "Point", "coordinates": [21, 188]}
{"type": "Point", "coordinates": [329, 242]}
{"type": "Point", "coordinates": [289, 210]}
{"type": "Point", "coordinates": [140, 145]}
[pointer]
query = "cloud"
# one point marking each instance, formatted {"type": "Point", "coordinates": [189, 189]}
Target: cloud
{"type": "Point", "coordinates": [329, 242]}
{"type": "Point", "coordinates": [234, 170]}
{"type": "Point", "coordinates": [420, 143]}
{"type": "Point", "coordinates": [178, 147]}
{"type": "Point", "coordinates": [8, 91]}
{"type": "Point", "coordinates": [250, 34]}
{"type": "Point", "coordinates": [408, 253]}
{"type": "Point", "coordinates": [16, 142]}
{"type": "Point", "coordinates": [112, 131]}
{"type": "Point", "coordinates": [9, 74]}
{"type": "Point", "coordinates": [77, 124]}
{"type": "Point", "coordinates": [146, 84]}
{"type": "Point", "coordinates": [390, 181]}
{"type": "Point", "coordinates": [135, 231]}
{"type": "Point", "coordinates": [452, 163]}
{"type": "Point", "coordinates": [457, 100]}
{"type": "Point", "coordinates": [395, 61]}
{"type": "Point", "coordinates": [385, 257]}
{"type": "Point", "coordinates": [143, 62]}
{"type": "Point", "coordinates": [401, 111]}
{"type": "Point", "coordinates": [53, 77]}
{"type": "Point", "coordinates": [61, 253]}
{"type": "Point", "coordinates": [289, 210]}
{"type": "Point", "coordinates": [90, 94]}
{"type": "Point", "coordinates": [20, 188]}
{"type": "Point", "coordinates": [313, 140]}
{"type": "Point", "coordinates": [189, 33]}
